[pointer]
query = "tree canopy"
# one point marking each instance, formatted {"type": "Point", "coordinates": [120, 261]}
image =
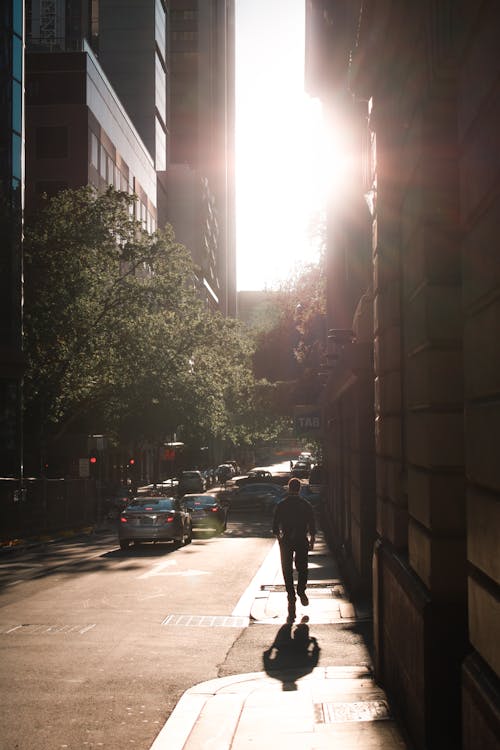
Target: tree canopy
{"type": "Point", "coordinates": [117, 338]}
{"type": "Point", "coordinates": [289, 352]}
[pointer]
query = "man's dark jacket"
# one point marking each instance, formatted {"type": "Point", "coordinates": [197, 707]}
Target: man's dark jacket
{"type": "Point", "coordinates": [293, 519]}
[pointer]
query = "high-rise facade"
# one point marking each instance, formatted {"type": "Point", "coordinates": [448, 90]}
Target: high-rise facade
{"type": "Point", "coordinates": [130, 39]}
{"type": "Point", "coordinates": [171, 65]}
{"type": "Point", "coordinates": [11, 207]}
{"type": "Point", "coordinates": [202, 136]}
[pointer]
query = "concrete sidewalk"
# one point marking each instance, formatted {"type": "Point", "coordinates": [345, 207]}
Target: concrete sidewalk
{"type": "Point", "coordinates": [294, 703]}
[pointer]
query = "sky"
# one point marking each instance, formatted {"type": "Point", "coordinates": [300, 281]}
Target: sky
{"type": "Point", "coordinates": [279, 183]}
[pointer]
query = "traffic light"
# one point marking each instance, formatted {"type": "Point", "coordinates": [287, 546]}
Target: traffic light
{"type": "Point", "coordinates": [131, 461]}
{"type": "Point", "coordinates": [93, 459]}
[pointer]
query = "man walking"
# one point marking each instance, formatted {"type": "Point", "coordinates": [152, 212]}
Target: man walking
{"type": "Point", "coordinates": [295, 528]}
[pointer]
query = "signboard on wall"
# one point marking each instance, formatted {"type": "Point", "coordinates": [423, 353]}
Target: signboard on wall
{"type": "Point", "coordinates": [307, 420]}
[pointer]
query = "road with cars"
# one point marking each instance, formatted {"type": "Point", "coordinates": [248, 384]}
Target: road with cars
{"type": "Point", "coordinates": [98, 644]}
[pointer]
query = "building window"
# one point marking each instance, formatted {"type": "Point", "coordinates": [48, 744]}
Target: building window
{"type": "Point", "coordinates": [102, 164]}
{"type": "Point", "coordinates": [160, 147]}
{"type": "Point", "coordinates": [16, 156]}
{"type": "Point", "coordinates": [111, 171]}
{"type": "Point", "coordinates": [52, 142]}
{"type": "Point", "coordinates": [94, 150]}
{"type": "Point", "coordinates": [160, 31]}
{"type": "Point", "coordinates": [17, 107]}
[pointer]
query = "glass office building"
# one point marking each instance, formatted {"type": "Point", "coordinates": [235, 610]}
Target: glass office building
{"type": "Point", "coordinates": [11, 206]}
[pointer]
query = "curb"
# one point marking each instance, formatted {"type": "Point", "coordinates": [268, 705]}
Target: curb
{"type": "Point", "coordinates": [21, 545]}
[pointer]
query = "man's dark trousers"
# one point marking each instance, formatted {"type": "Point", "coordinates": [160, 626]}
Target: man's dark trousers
{"type": "Point", "coordinates": [289, 552]}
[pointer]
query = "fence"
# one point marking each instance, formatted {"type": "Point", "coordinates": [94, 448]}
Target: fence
{"type": "Point", "coordinates": [46, 506]}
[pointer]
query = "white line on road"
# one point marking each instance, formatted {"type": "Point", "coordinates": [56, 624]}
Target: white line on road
{"type": "Point", "coordinates": [265, 574]}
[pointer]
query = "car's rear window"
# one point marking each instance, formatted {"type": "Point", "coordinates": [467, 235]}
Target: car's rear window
{"type": "Point", "coordinates": [199, 502]}
{"type": "Point", "coordinates": [152, 503]}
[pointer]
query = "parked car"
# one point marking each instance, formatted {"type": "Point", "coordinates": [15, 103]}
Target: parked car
{"type": "Point", "coordinates": [207, 511]}
{"type": "Point", "coordinates": [317, 475]}
{"type": "Point", "coordinates": [167, 488]}
{"type": "Point", "coordinates": [261, 496]}
{"type": "Point", "coordinates": [154, 519]}
{"type": "Point", "coordinates": [311, 493]}
{"type": "Point", "coordinates": [191, 481]}
{"type": "Point", "coordinates": [225, 472]}
{"type": "Point", "coordinates": [301, 469]}
{"type": "Point", "coordinates": [115, 500]}
{"type": "Point", "coordinates": [305, 456]}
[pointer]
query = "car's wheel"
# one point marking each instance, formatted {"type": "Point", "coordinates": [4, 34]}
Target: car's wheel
{"type": "Point", "coordinates": [124, 544]}
{"type": "Point", "coordinates": [189, 538]}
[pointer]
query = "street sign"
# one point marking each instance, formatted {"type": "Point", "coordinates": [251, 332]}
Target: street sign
{"type": "Point", "coordinates": [307, 420]}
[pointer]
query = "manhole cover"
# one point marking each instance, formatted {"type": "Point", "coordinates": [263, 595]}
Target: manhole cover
{"type": "Point", "coordinates": [206, 621]}
{"type": "Point", "coordinates": [333, 713]}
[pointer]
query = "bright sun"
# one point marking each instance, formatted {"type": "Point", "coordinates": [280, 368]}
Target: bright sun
{"type": "Point", "coordinates": [282, 184]}
{"type": "Point", "coordinates": [281, 178]}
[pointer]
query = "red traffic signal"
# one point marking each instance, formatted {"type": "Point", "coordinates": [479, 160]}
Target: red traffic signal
{"type": "Point", "coordinates": [93, 459]}
{"type": "Point", "coordinates": [131, 461]}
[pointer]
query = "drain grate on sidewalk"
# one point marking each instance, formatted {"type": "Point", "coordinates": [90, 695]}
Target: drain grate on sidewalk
{"type": "Point", "coordinates": [314, 589]}
{"type": "Point", "coordinates": [341, 712]}
{"type": "Point", "coordinates": [207, 621]}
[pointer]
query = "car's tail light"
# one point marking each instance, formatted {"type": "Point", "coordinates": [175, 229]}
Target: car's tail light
{"type": "Point", "coordinates": [214, 510]}
{"type": "Point", "coordinates": [123, 519]}
{"type": "Point", "coordinates": [169, 519]}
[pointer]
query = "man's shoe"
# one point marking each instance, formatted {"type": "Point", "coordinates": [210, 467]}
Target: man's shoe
{"type": "Point", "coordinates": [304, 600]}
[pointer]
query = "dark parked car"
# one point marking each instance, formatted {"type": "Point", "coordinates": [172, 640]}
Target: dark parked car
{"type": "Point", "coordinates": [154, 519]}
{"type": "Point", "coordinates": [261, 496]}
{"type": "Point", "coordinates": [225, 472]}
{"type": "Point", "coordinates": [191, 481]}
{"type": "Point", "coordinates": [115, 500]}
{"type": "Point", "coordinates": [207, 511]}
{"type": "Point", "coordinates": [301, 469]}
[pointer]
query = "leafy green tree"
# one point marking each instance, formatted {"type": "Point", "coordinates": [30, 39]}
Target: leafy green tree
{"type": "Point", "coordinates": [116, 337]}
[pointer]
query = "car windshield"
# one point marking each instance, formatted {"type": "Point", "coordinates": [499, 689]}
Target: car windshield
{"type": "Point", "coordinates": [202, 501]}
{"type": "Point", "coordinates": [152, 503]}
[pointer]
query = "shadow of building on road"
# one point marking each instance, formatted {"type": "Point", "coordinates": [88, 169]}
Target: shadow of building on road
{"type": "Point", "coordinates": [293, 654]}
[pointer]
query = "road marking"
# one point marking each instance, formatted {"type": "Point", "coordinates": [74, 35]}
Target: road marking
{"type": "Point", "coordinates": [36, 628]}
{"type": "Point", "coordinates": [206, 621]}
{"type": "Point", "coordinates": [158, 569]}
{"type": "Point", "coordinates": [267, 572]}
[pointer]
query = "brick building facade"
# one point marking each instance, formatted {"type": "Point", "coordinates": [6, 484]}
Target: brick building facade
{"type": "Point", "coordinates": [411, 402]}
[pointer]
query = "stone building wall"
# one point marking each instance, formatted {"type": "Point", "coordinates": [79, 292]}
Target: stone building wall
{"type": "Point", "coordinates": [431, 75]}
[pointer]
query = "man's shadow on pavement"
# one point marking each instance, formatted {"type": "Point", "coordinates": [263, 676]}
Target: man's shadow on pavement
{"type": "Point", "coordinates": [293, 654]}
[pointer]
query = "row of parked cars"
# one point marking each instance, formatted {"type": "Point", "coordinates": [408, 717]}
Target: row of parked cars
{"type": "Point", "coordinates": [169, 511]}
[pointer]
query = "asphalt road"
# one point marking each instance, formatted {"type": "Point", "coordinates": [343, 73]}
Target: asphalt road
{"type": "Point", "coordinates": [94, 652]}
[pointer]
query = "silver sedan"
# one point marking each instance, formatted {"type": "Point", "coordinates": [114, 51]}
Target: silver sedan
{"type": "Point", "coordinates": [154, 519]}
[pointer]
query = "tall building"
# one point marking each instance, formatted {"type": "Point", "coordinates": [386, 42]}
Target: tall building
{"type": "Point", "coordinates": [11, 208]}
{"type": "Point", "coordinates": [411, 401]}
{"type": "Point", "coordinates": [130, 40]}
{"type": "Point", "coordinates": [78, 133]}
{"type": "Point", "coordinates": [202, 139]}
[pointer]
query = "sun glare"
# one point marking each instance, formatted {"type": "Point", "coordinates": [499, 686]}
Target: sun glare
{"type": "Point", "coordinates": [286, 164]}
